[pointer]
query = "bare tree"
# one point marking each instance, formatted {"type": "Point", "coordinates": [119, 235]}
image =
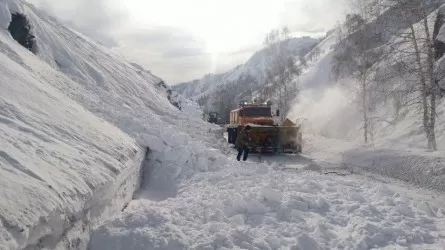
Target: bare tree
{"type": "Point", "coordinates": [411, 51]}
{"type": "Point", "coordinates": [363, 74]}
{"type": "Point", "coordinates": [355, 58]}
{"type": "Point", "coordinates": [423, 51]}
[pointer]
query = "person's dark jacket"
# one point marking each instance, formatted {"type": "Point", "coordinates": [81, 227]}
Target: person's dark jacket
{"type": "Point", "coordinates": [243, 139]}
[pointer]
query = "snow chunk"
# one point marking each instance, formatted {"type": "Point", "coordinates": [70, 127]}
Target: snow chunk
{"type": "Point", "coordinates": [306, 242]}
{"type": "Point", "coordinates": [157, 233]}
{"type": "Point", "coordinates": [425, 206]}
{"type": "Point", "coordinates": [299, 205]}
{"type": "Point", "coordinates": [271, 196]}
{"type": "Point", "coordinates": [273, 241]}
{"type": "Point", "coordinates": [237, 220]}
{"type": "Point", "coordinates": [255, 207]}
{"type": "Point", "coordinates": [405, 210]}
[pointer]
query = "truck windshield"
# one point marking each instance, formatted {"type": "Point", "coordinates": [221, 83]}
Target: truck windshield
{"type": "Point", "coordinates": [253, 112]}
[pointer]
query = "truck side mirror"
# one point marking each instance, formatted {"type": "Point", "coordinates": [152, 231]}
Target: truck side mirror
{"type": "Point", "coordinates": [277, 113]}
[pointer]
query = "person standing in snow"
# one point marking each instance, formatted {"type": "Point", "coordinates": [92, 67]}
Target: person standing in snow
{"type": "Point", "coordinates": [242, 143]}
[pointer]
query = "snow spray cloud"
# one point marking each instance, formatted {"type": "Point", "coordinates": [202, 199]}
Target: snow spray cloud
{"type": "Point", "coordinates": [329, 112]}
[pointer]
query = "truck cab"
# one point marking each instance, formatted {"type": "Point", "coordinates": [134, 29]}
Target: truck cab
{"type": "Point", "coordinates": [260, 115]}
{"type": "Point", "coordinates": [213, 117]}
{"type": "Point", "coordinates": [250, 113]}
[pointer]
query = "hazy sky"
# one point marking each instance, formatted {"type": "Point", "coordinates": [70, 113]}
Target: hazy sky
{"type": "Point", "coordinates": [181, 40]}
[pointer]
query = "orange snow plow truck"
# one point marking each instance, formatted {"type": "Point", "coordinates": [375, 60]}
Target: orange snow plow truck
{"type": "Point", "coordinates": [267, 136]}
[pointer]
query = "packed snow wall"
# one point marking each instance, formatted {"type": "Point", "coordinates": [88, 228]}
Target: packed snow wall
{"type": "Point", "coordinates": [64, 170]}
{"type": "Point", "coordinates": [119, 92]}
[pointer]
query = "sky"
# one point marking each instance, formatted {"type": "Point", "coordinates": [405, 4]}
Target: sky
{"type": "Point", "coordinates": [182, 40]}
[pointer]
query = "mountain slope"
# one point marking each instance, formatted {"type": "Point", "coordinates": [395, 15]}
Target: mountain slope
{"type": "Point", "coordinates": [245, 79]}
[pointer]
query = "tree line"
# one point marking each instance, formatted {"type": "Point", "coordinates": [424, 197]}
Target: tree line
{"type": "Point", "coordinates": [391, 48]}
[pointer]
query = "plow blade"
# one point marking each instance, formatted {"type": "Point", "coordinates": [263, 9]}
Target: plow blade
{"type": "Point", "coordinates": [271, 139]}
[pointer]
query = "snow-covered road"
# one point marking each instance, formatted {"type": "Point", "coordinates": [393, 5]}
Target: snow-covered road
{"type": "Point", "coordinates": [261, 204]}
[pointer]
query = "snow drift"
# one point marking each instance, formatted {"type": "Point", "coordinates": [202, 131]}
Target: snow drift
{"type": "Point", "coordinates": [59, 163]}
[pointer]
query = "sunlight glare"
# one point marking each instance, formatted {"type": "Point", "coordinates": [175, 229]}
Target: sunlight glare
{"type": "Point", "coordinates": [225, 26]}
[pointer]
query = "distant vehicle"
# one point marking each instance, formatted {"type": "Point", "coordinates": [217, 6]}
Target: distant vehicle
{"type": "Point", "coordinates": [213, 118]}
{"type": "Point", "coordinates": [267, 137]}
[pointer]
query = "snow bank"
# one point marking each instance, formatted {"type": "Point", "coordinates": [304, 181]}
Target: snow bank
{"type": "Point", "coordinates": [121, 93]}
{"type": "Point", "coordinates": [417, 167]}
{"type": "Point", "coordinates": [254, 207]}
{"type": "Point", "coordinates": [420, 168]}
{"type": "Point", "coordinates": [62, 168]}
{"type": "Point", "coordinates": [65, 169]}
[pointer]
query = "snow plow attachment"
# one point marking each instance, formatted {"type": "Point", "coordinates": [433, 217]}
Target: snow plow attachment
{"type": "Point", "coordinates": [286, 138]}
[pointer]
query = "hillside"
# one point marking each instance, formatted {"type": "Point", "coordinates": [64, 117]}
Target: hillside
{"type": "Point", "coordinates": [332, 109]}
{"type": "Point", "coordinates": [397, 145]}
